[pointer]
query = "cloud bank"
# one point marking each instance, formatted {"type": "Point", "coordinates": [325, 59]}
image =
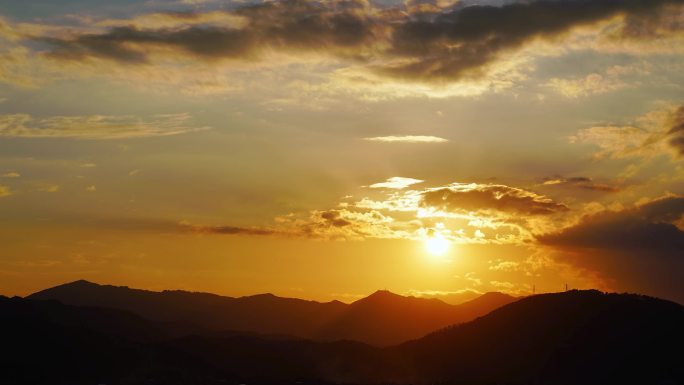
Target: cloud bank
{"type": "Point", "coordinates": [422, 42]}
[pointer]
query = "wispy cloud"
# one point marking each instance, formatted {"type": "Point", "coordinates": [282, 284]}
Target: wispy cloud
{"type": "Point", "coordinates": [656, 133]}
{"type": "Point", "coordinates": [48, 188]}
{"type": "Point", "coordinates": [10, 174]}
{"type": "Point", "coordinates": [581, 182]}
{"type": "Point", "coordinates": [407, 139]}
{"type": "Point", "coordinates": [95, 127]}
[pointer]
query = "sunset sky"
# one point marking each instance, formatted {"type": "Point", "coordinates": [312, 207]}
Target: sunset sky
{"type": "Point", "coordinates": [327, 149]}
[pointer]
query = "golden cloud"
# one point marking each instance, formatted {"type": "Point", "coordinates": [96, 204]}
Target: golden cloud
{"type": "Point", "coordinates": [5, 191]}
{"type": "Point", "coordinates": [95, 127]}
{"type": "Point", "coordinates": [407, 139]}
{"type": "Point", "coordinates": [656, 133]}
{"type": "Point", "coordinates": [396, 182]}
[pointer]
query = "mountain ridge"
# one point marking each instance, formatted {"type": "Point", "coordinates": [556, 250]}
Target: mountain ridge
{"type": "Point", "coordinates": [574, 337]}
{"type": "Point", "coordinates": [369, 319]}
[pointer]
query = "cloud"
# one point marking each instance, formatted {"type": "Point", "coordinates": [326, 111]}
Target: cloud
{"type": "Point", "coordinates": [333, 224]}
{"type": "Point", "coordinates": [11, 174]}
{"type": "Point", "coordinates": [407, 139]}
{"type": "Point", "coordinates": [484, 197]}
{"type": "Point", "coordinates": [449, 45]}
{"type": "Point", "coordinates": [675, 134]}
{"type": "Point", "coordinates": [653, 134]}
{"type": "Point", "coordinates": [95, 126]}
{"type": "Point", "coordinates": [396, 182]}
{"type": "Point", "coordinates": [580, 182]}
{"type": "Point", "coordinates": [639, 248]}
{"type": "Point", "coordinates": [649, 226]}
{"type": "Point", "coordinates": [5, 191]}
{"type": "Point", "coordinates": [224, 230]}
{"type": "Point", "coordinates": [48, 188]}
{"type": "Point", "coordinates": [343, 224]}
{"type": "Point", "coordinates": [612, 79]}
{"type": "Point", "coordinates": [283, 25]}
{"type": "Point", "coordinates": [421, 41]}
{"type": "Point", "coordinates": [458, 212]}
{"type": "Point", "coordinates": [590, 85]}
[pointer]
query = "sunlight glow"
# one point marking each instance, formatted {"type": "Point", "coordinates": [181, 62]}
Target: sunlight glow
{"type": "Point", "coordinates": [437, 245]}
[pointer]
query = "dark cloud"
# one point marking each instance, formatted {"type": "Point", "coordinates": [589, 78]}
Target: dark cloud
{"type": "Point", "coordinates": [334, 218]}
{"type": "Point", "coordinates": [654, 23]}
{"type": "Point", "coordinates": [227, 230]}
{"type": "Point", "coordinates": [466, 39]}
{"type": "Point", "coordinates": [640, 248]}
{"type": "Point", "coordinates": [676, 132]}
{"type": "Point", "coordinates": [481, 197]}
{"type": "Point", "coordinates": [580, 182]}
{"type": "Point", "coordinates": [425, 43]}
{"type": "Point", "coordinates": [649, 226]}
{"type": "Point", "coordinates": [286, 25]}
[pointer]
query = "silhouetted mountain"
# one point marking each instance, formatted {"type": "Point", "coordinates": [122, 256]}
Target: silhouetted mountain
{"type": "Point", "coordinates": [264, 313]}
{"type": "Point", "coordinates": [46, 342]}
{"type": "Point", "coordinates": [374, 319]}
{"type": "Point", "coordinates": [577, 337]}
{"type": "Point", "coordinates": [371, 320]}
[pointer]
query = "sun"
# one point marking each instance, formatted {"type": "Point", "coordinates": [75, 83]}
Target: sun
{"type": "Point", "coordinates": [437, 245]}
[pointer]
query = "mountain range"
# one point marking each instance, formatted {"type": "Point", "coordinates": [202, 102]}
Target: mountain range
{"type": "Point", "coordinates": [371, 320]}
{"type": "Point", "coordinates": [575, 337]}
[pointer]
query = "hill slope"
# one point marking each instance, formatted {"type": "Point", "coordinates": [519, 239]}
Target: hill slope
{"type": "Point", "coordinates": [566, 338]}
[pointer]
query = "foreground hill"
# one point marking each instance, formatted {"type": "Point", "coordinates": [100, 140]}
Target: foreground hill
{"type": "Point", "coordinates": [371, 320]}
{"type": "Point", "coordinates": [576, 337]}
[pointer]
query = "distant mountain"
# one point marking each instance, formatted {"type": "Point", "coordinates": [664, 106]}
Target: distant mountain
{"type": "Point", "coordinates": [576, 337]}
{"type": "Point", "coordinates": [264, 313]}
{"type": "Point", "coordinates": [385, 318]}
{"type": "Point", "coordinates": [371, 320]}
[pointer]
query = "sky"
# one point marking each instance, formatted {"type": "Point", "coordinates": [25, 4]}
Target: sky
{"type": "Point", "coordinates": [328, 149]}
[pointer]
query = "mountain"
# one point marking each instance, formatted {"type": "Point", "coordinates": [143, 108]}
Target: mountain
{"type": "Point", "coordinates": [264, 313]}
{"type": "Point", "coordinates": [371, 320]}
{"type": "Point", "coordinates": [46, 342]}
{"type": "Point", "coordinates": [374, 319]}
{"type": "Point", "coordinates": [575, 337]}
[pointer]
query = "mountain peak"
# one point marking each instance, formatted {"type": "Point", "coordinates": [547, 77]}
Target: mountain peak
{"type": "Point", "coordinates": [383, 295]}
{"type": "Point", "coordinates": [80, 282]}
